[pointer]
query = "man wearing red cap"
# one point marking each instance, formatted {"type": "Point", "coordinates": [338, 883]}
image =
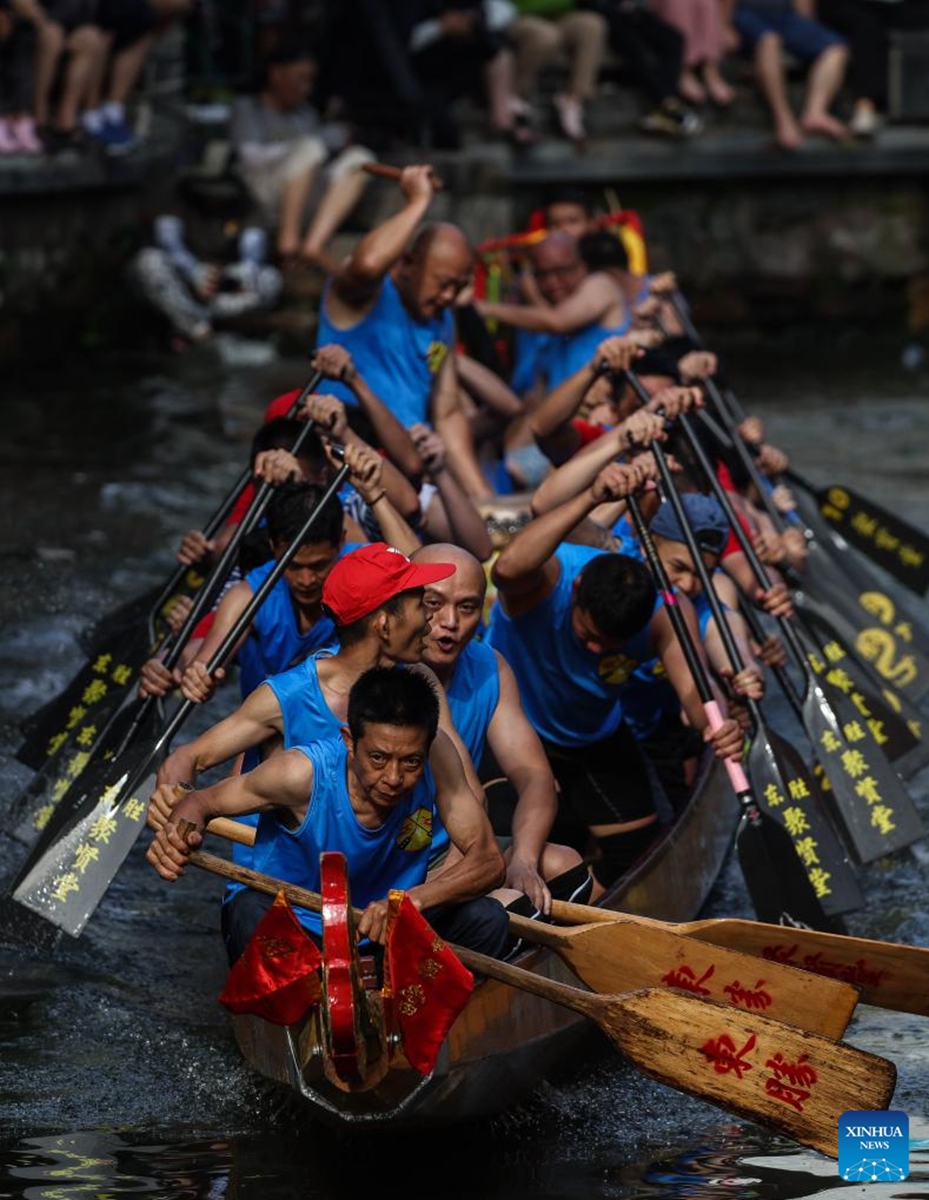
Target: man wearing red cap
{"type": "Point", "coordinates": [375, 598]}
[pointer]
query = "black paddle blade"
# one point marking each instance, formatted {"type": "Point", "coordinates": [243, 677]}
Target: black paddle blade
{"type": "Point", "coordinates": [880, 632]}
{"type": "Point", "coordinates": [899, 613]}
{"type": "Point", "coordinates": [874, 809]}
{"type": "Point", "coordinates": [30, 813]}
{"type": "Point", "coordinates": [818, 846]}
{"type": "Point", "coordinates": [68, 873]}
{"type": "Point", "coordinates": [778, 885]}
{"type": "Point", "coordinates": [82, 709]}
{"type": "Point", "coordinates": [897, 724]}
{"type": "Point", "coordinates": [894, 544]}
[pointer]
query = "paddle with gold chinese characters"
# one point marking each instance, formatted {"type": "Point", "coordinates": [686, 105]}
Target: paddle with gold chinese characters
{"type": "Point", "coordinates": [624, 956]}
{"type": "Point", "coordinates": [887, 974]}
{"type": "Point", "coordinates": [876, 813]}
{"type": "Point", "coordinates": [794, 1082]}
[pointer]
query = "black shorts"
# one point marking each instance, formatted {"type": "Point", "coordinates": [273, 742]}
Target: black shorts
{"type": "Point", "coordinates": [127, 20]}
{"type": "Point", "coordinates": [71, 14]}
{"type": "Point", "coordinates": [673, 744]}
{"type": "Point", "coordinates": [605, 783]}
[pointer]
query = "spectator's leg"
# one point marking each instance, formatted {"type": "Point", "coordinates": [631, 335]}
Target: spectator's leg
{"type": "Point", "coordinates": [499, 76]}
{"type": "Point", "coordinates": [769, 70]}
{"type": "Point", "coordinates": [709, 48]}
{"type": "Point", "coordinates": [684, 16]}
{"type": "Point", "coordinates": [864, 25]}
{"type": "Point", "coordinates": [584, 36]}
{"type": "Point", "coordinates": [49, 47]}
{"type": "Point", "coordinates": [283, 192]}
{"type": "Point", "coordinates": [127, 67]}
{"type": "Point", "coordinates": [87, 47]}
{"type": "Point", "coordinates": [163, 288]}
{"type": "Point", "coordinates": [346, 183]}
{"type": "Point", "coordinates": [825, 79]}
{"type": "Point", "coordinates": [663, 48]}
{"type": "Point", "coordinates": [535, 42]}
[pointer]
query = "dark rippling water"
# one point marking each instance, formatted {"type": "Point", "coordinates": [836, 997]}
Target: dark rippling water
{"type": "Point", "coordinates": [118, 1073]}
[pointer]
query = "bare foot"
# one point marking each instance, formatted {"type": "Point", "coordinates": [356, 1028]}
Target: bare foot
{"type": "Point", "coordinates": [718, 90]}
{"type": "Point", "coordinates": [691, 88]}
{"type": "Point", "coordinates": [825, 124]}
{"type": "Point", "coordinates": [788, 134]}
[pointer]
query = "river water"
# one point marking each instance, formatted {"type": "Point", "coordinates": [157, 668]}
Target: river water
{"type": "Point", "coordinates": [118, 1073]}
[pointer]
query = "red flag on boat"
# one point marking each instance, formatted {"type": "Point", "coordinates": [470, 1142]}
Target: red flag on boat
{"type": "Point", "coordinates": [427, 982]}
{"type": "Point", "coordinates": [277, 975]}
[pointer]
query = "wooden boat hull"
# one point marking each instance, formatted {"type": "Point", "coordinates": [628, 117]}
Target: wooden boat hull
{"type": "Point", "coordinates": [505, 1042]}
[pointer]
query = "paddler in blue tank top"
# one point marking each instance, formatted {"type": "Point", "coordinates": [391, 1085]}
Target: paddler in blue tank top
{"type": "Point", "coordinates": [374, 596]}
{"type": "Point", "coordinates": [390, 306]}
{"type": "Point", "coordinates": [372, 794]}
{"type": "Point", "coordinates": [573, 623]}
{"type": "Point", "coordinates": [485, 707]}
{"type": "Point", "coordinates": [581, 308]}
{"type": "Point", "coordinates": [651, 705]}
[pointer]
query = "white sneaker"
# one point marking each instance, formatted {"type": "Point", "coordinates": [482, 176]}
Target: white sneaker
{"type": "Point", "coordinates": [865, 122]}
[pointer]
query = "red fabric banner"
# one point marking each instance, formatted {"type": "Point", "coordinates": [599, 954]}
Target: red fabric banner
{"type": "Point", "coordinates": [277, 975]}
{"type": "Point", "coordinates": [427, 983]}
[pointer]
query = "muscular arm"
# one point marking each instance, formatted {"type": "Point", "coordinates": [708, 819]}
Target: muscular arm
{"type": "Point", "coordinates": [285, 781]}
{"type": "Point", "coordinates": [486, 386]}
{"type": "Point", "coordinates": [516, 747]}
{"type": "Point", "coordinates": [591, 302]}
{"type": "Point", "coordinates": [256, 719]}
{"type": "Point", "coordinates": [669, 651]}
{"type": "Point", "coordinates": [480, 866]}
{"type": "Point", "coordinates": [391, 436]}
{"type": "Point", "coordinates": [363, 272]}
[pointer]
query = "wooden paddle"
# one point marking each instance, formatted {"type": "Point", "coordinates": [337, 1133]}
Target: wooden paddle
{"type": "Point", "coordinates": [625, 956]}
{"type": "Point", "coordinates": [69, 728]}
{"type": "Point", "coordinates": [875, 811]}
{"type": "Point", "coordinates": [888, 975]}
{"type": "Point", "coordinates": [794, 1082]}
{"type": "Point", "coordinates": [799, 872]}
{"type": "Point", "coordinates": [84, 845]}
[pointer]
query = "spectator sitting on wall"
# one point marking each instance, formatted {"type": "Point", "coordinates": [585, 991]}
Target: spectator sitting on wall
{"type": "Point", "coordinates": [455, 45]}
{"type": "Point", "coordinates": [764, 29]}
{"type": "Point", "coordinates": [17, 128]}
{"type": "Point", "coordinates": [867, 25]}
{"type": "Point", "coordinates": [64, 28]}
{"type": "Point", "coordinates": [282, 142]}
{"type": "Point", "coordinates": [131, 28]}
{"type": "Point", "coordinates": [194, 295]}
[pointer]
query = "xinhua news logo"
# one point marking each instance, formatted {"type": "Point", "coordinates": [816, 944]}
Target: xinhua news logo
{"type": "Point", "coordinates": [874, 1147]}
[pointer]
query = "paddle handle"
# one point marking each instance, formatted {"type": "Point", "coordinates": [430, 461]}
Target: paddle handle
{"type": "Point", "coordinates": [386, 171]}
{"type": "Point", "coordinates": [218, 518]}
{"type": "Point", "coordinates": [235, 634]}
{"type": "Point", "coordinates": [548, 989]}
{"type": "Point", "coordinates": [697, 670]}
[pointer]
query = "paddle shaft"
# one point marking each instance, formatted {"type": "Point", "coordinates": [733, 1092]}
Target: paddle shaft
{"type": "Point", "coordinates": [386, 171]}
{"type": "Point", "coordinates": [207, 594]}
{"type": "Point", "coordinates": [218, 518]}
{"type": "Point", "coordinates": [695, 665]}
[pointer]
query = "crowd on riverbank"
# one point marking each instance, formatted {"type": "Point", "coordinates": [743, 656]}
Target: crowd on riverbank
{"type": "Point", "coordinates": [69, 69]}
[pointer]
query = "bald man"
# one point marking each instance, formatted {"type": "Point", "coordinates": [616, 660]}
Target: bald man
{"type": "Point", "coordinates": [485, 708]}
{"type": "Point", "coordinates": [390, 306]}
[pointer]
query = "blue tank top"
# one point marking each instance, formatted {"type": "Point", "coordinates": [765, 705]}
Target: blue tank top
{"type": "Point", "coordinates": [394, 855]}
{"type": "Point", "coordinates": [571, 696]}
{"type": "Point", "coordinates": [275, 642]}
{"type": "Point", "coordinates": [628, 542]}
{"type": "Point", "coordinates": [306, 715]}
{"type": "Point", "coordinates": [565, 353]}
{"type": "Point", "coordinates": [649, 700]}
{"type": "Point", "coordinates": [472, 695]}
{"type": "Point", "coordinates": [398, 356]}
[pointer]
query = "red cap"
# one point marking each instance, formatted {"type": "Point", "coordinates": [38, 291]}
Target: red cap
{"type": "Point", "coordinates": [371, 575]}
